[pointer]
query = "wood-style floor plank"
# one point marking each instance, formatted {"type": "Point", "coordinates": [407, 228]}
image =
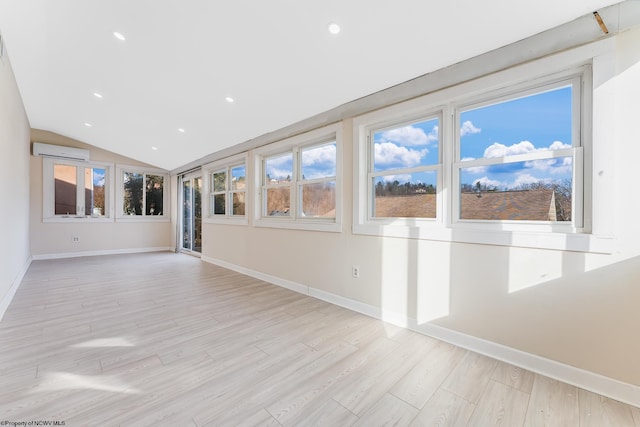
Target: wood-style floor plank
{"type": "Point", "coordinates": [167, 340]}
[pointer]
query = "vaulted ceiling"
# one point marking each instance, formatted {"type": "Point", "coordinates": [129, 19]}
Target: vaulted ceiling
{"type": "Point", "coordinates": [161, 94]}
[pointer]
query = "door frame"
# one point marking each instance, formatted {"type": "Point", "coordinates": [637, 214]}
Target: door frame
{"type": "Point", "coordinates": [180, 223]}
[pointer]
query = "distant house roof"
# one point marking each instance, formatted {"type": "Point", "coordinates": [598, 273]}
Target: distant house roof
{"type": "Point", "coordinates": [532, 205]}
{"type": "Point", "coordinates": [529, 205]}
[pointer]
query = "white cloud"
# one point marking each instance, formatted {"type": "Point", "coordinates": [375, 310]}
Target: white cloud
{"type": "Point", "coordinates": [410, 136]}
{"type": "Point", "coordinates": [389, 154]}
{"type": "Point", "coordinates": [557, 145]}
{"type": "Point", "coordinates": [474, 169]}
{"type": "Point", "coordinates": [523, 147]}
{"type": "Point", "coordinates": [279, 174]}
{"type": "Point", "coordinates": [323, 155]}
{"type": "Point", "coordinates": [468, 128]}
{"type": "Point", "coordinates": [525, 179]}
{"type": "Point", "coordinates": [488, 182]}
{"type": "Point", "coordinates": [499, 150]}
{"type": "Point", "coordinates": [557, 166]}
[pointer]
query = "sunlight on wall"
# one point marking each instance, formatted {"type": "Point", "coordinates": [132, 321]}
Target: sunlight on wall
{"type": "Point", "coordinates": [434, 279]}
{"type": "Point", "coordinates": [105, 342]}
{"type": "Point", "coordinates": [394, 281]}
{"type": "Point", "coordinates": [56, 381]}
{"type": "Point", "coordinates": [527, 269]}
{"type": "Point", "coordinates": [415, 280]}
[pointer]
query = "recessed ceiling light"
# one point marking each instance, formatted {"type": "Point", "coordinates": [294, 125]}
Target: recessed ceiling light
{"type": "Point", "coordinates": [97, 95]}
{"type": "Point", "coordinates": [230, 100]}
{"type": "Point", "coordinates": [154, 148]}
{"type": "Point", "coordinates": [88, 124]}
{"type": "Point", "coordinates": [119, 36]}
{"type": "Point", "coordinates": [180, 130]}
{"type": "Point", "coordinates": [333, 28]}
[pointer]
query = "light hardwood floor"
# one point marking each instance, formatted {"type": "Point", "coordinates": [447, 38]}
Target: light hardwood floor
{"type": "Point", "coordinates": [164, 339]}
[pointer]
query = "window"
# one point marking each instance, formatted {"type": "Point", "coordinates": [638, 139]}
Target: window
{"type": "Point", "coordinates": [299, 182]}
{"type": "Point", "coordinates": [405, 165]}
{"type": "Point", "coordinates": [504, 159]}
{"type": "Point", "coordinates": [524, 171]}
{"type": "Point", "coordinates": [227, 189]}
{"type": "Point", "coordinates": [76, 190]}
{"type": "Point", "coordinates": [142, 193]}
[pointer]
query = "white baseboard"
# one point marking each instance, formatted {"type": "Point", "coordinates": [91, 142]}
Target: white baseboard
{"type": "Point", "coordinates": [6, 300]}
{"type": "Point", "coordinates": [98, 253]}
{"type": "Point", "coordinates": [609, 387]}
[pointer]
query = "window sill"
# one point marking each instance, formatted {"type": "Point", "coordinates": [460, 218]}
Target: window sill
{"type": "Point", "coordinates": [576, 242]}
{"type": "Point", "coordinates": [78, 219]}
{"type": "Point", "coordinates": [326, 226]}
{"type": "Point", "coordinates": [226, 220]}
{"type": "Point", "coordinates": [137, 218]}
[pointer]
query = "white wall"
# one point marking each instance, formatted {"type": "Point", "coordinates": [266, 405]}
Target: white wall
{"type": "Point", "coordinates": [580, 309]}
{"type": "Point", "coordinates": [55, 239]}
{"type": "Point", "coordinates": [14, 185]}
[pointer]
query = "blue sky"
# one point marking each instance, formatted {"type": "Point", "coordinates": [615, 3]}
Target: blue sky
{"type": "Point", "coordinates": [98, 177]}
{"type": "Point", "coordinates": [318, 161]}
{"type": "Point", "coordinates": [539, 122]}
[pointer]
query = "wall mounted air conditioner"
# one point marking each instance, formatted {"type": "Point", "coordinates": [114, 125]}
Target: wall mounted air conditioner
{"type": "Point", "coordinates": [60, 152]}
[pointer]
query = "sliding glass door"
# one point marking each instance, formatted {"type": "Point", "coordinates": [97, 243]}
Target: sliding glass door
{"type": "Point", "coordinates": [191, 213]}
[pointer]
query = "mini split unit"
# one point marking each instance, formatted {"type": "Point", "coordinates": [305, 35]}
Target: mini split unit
{"type": "Point", "coordinates": [60, 152]}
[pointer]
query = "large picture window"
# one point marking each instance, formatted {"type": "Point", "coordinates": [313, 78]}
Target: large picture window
{"type": "Point", "coordinates": [476, 164]}
{"type": "Point", "coordinates": [76, 189]}
{"type": "Point", "coordinates": [523, 171]}
{"type": "Point", "coordinates": [299, 182]}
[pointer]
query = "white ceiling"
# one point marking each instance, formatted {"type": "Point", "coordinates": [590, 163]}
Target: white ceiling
{"type": "Point", "coordinates": [181, 58]}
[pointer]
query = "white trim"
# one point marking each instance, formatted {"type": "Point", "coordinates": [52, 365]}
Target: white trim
{"type": "Point", "coordinates": [226, 165]}
{"type": "Point", "coordinates": [105, 252]}
{"type": "Point", "coordinates": [293, 145]}
{"type": "Point", "coordinates": [8, 297]}
{"type": "Point", "coordinates": [293, 286]}
{"type": "Point", "coordinates": [591, 381]}
{"type": "Point", "coordinates": [119, 214]}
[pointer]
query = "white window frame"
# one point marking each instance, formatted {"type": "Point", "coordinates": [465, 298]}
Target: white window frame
{"type": "Point", "coordinates": [225, 165]}
{"type": "Point", "coordinates": [294, 145]}
{"type": "Point", "coordinates": [48, 185]}
{"type": "Point", "coordinates": [586, 233]}
{"type": "Point", "coordinates": [119, 205]}
{"type": "Point", "coordinates": [371, 174]}
{"type": "Point", "coordinates": [577, 78]}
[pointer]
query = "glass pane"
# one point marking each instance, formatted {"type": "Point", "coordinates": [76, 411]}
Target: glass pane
{"type": "Point", "coordinates": [66, 189]}
{"type": "Point", "coordinates": [538, 190]}
{"type": "Point", "coordinates": [405, 196]}
{"type": "Point", "coordinates": [278, 201]}
{"type": "Point", "coordinates": [133, 184]}
{"type": "Point", "coordinates": [219, 181]}
{"type": "Point", "coordinates": [155, 185]}
{"type": "Point", "coordinates": [238, 178]}
{"type": "Point", "coordinates": [407, 146]}
{"type": "Point", "coordinates": [318, 161]}
{"type": "Point", "coordinates": [539, 122]}
{"type": "Point", "coordinates": [218, 204]}
{"type": "Point", "coordinates": [94, 185]}
{"type": "Point", "coordinates": [187, 208]}
{"type": "Point", "coordinates": [197, 214]}
{"type": "Point", "coordinates": [238, 207]}
{"type": "Point", "coordinates": [319, 200]}
{"type": "Point", "coordinates": [279, 169]}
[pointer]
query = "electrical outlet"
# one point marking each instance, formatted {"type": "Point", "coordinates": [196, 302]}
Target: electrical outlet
{"type": "Point", "coordinates": [75, 239]}
{"type": "Point", "coordinates": [355, 272]}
